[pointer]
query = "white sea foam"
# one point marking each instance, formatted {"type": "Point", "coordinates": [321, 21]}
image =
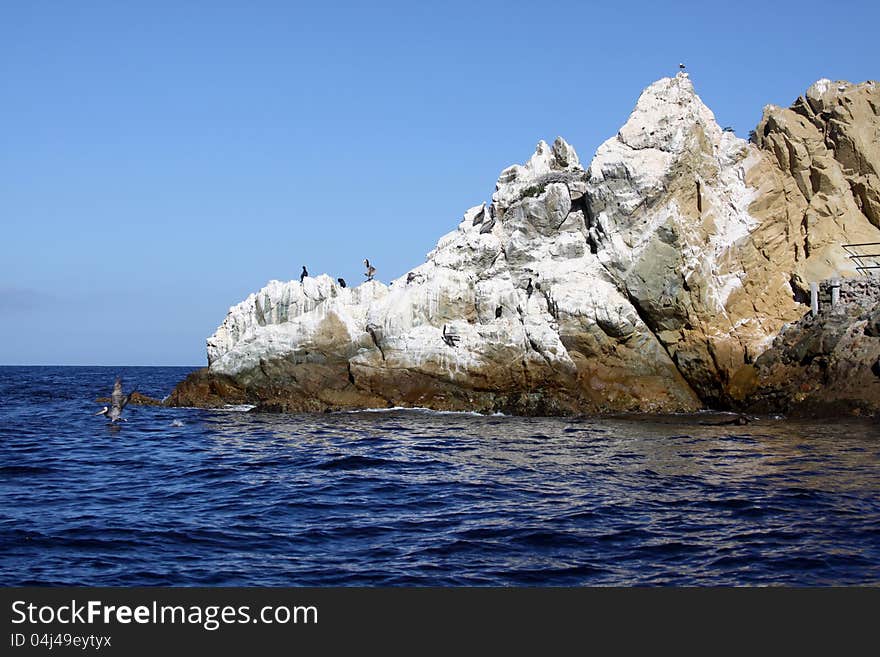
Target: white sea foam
{"type": "Point", "coordinates": [236, 408]}
{"type": "Point", "coordinates": [422, 409]}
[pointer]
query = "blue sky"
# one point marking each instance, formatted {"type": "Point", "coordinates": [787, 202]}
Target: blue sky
{"type": "Point", "coordinates": [159, 163]}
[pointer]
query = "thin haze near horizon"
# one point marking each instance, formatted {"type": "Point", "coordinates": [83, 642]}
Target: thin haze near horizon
{"type": "Point", "coordinates": [161, 163]}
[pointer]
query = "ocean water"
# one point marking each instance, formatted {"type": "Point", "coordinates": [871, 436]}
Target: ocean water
{"type": "Point", "coordinates": [198, 497]}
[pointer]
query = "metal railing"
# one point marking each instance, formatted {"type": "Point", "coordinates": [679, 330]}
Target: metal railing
{"type": "Point", "coordinates": [855, 254]}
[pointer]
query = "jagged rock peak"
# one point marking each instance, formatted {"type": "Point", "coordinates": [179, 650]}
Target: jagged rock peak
{"type": "Point", "coordinates": [824, 94]}
{"type": "Point", "coordinates": [557, 163]}
{"type": "Point", "coordinates": [669, 128]}
{"type": "Point", "coordinates": [559, 157]}
{"type": "Point", "coordinates": [665, 116]}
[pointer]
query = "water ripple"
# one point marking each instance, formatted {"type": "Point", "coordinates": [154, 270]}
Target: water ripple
{"type": "Point", "coordinates": [400, 498]}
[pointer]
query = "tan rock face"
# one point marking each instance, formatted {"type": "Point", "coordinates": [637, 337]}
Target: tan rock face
{"type": "Point", "coordinates": [715, 240]}
{"type": "Point", "coordinates": [650, 281]}
{"type": "Point", "coordinates": [828, 144]}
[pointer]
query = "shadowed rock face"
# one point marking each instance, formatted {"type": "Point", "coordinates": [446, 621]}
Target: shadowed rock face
{"type": "Point", "coordinates": [819, 366]}
{"type": "Point", "coordinates": [824, 365]}
{"type": "Point", "coordinates": [648, 281]}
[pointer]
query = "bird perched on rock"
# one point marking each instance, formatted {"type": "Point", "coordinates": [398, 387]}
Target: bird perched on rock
{"type": "Point", "coordinates": [449, 338]}
{"type": "Point", "coordinates": [118, 401]}
{"type": "Point", "coordinates": [410, 277]}
{"type": "Point", "coordinates": [305, 272]}
{"type": "Point", "coordinates": [529, 288]}
{"type": "Point", "coordinates": [341, 282]}
{"type": "Point", "coordinates": [371, 270]}
{"type": "Point", "coordinates": [681, 67]}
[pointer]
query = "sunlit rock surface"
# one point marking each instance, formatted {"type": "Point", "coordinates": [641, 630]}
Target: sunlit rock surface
{"type": "Point", "coordinates": [646, 282]}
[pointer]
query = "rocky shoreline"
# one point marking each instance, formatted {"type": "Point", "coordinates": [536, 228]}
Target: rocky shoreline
{"type": "Point", "coordinates": [670, 275]}
{"type": "Point", "coordinates": [821, 366]}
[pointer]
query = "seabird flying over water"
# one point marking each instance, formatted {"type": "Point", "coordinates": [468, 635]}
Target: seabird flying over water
{"type": "Point", "coordinates": [371, 270]}
{"type": "Point", "coordinates": [305, 272]}
{"type": "Point", "coordinates": [341, 282]}
{"type": "Point", "coordinates": [118, 401]}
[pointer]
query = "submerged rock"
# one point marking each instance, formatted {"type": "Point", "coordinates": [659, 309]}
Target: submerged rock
{"type": "Point", "coordinates": [649, 281]}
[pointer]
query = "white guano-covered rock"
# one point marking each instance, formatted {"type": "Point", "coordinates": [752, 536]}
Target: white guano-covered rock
{"type": "Point", "coordinates": [646, 282]}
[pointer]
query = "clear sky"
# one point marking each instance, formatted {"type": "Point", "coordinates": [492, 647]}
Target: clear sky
{"type": "Point", "coordinates": [160, 162]}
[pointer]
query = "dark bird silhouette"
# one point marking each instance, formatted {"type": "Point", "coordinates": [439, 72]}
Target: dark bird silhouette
{"type": "Point", "coordinates": [371, 270]}
{"type": "Point", "coordinates": [305, 272]}
{"type": "Point", "coordinates": [410, 277]}
{"type": "Point", "coordinates": [341, 282]}
{"type": "Point", "coordinates": [450, 338]}
{"type": "Point", "coordinates": [529, 288]}
{"type": "Point", "coordinates": [681, 67]}
{"type": "Point", "coordinates": [118, 401]}
{"type": "Point", "coordinates": [478, 218]}
{"type": "Point", "coordinates": [498, 312]}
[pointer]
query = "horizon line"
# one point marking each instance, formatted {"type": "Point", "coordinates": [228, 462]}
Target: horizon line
{"type": "Point", "coordinates": [89, 365]}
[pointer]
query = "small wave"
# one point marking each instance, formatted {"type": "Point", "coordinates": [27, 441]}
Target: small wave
{"type": "Point", "coordinates": [24, 470]}
{"type": "Point", "coordinates": [353, 463]}
{"type": "Point", "coordinates": [668, 548]}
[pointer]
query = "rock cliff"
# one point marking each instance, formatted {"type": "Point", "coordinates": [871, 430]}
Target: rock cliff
{"type": "Point", "coordinates": [651, 280]}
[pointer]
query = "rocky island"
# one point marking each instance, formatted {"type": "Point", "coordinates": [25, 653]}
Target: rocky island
{"type": "Point", "coordinates": [670, 274]}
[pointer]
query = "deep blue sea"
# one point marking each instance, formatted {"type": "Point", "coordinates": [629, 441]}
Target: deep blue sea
{"type": "Point", "coordinates": [199, 497]}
